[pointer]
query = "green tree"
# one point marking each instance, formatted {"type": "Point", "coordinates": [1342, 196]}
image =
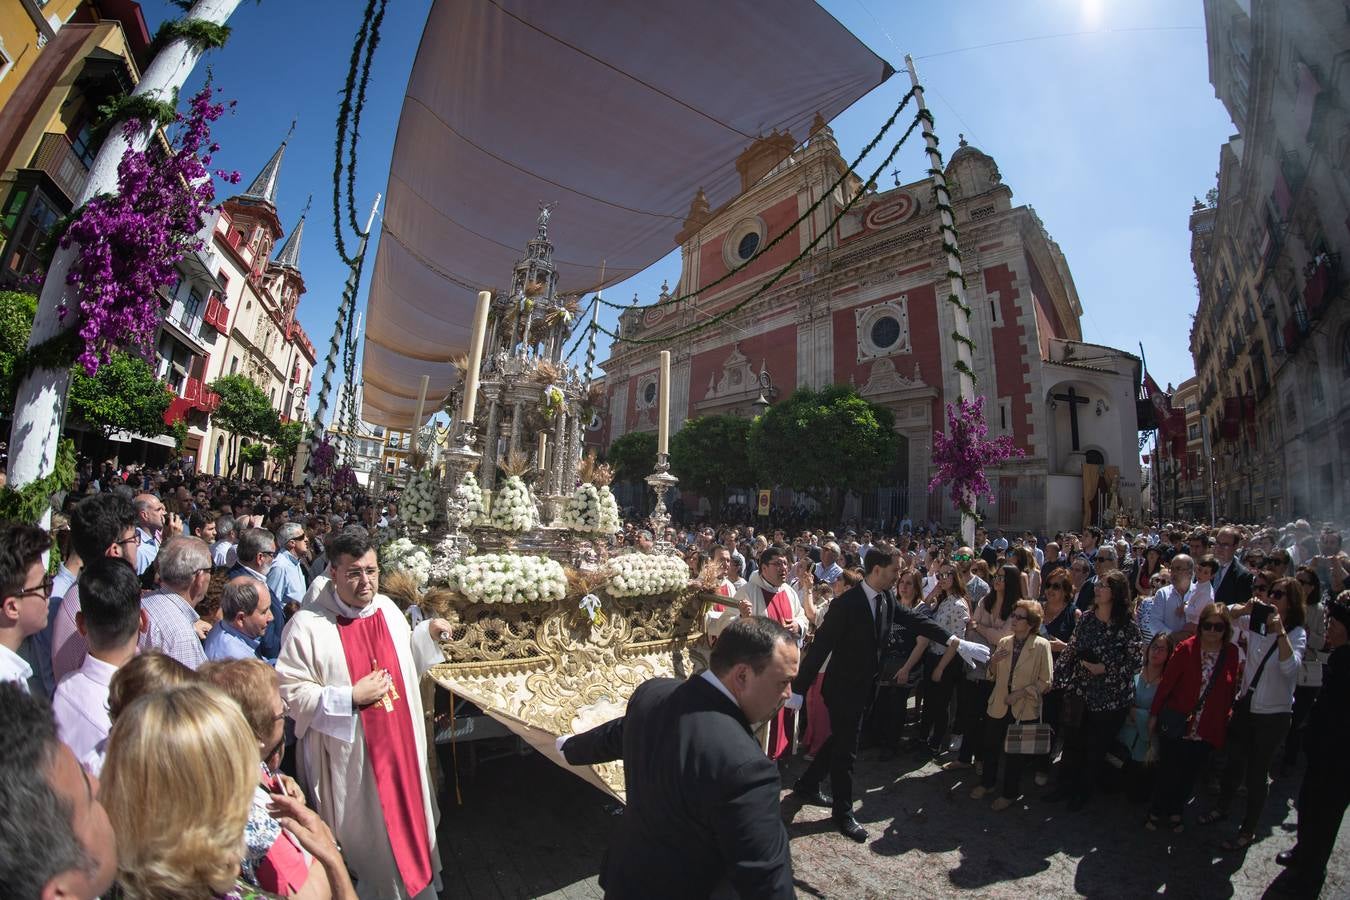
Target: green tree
{"type": "Point", "coordinates": [633, 456]}
{"type": "Point", "coordinates": [244, 411]}
{"type": "Point", "coordinates": [124, 395]}
{"type": "Point", "coordinates": [711, 454]}
{"type": "Point", "coordinates": [825, 444]}
{"type": "Point", "coordinates": [287, 443]}
{"type": "Point", "coordinates": [16, 321]}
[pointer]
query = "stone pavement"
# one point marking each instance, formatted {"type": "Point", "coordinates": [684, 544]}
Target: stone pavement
{"type": "Point", "coordinates": [528, 829]}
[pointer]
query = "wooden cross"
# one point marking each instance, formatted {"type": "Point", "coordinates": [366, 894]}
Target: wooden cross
{"type": "Point", "coordinates": [1074, 400]}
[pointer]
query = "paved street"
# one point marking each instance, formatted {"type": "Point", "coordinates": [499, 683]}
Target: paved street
{"type": "Point", "coordinates": [528, 829]}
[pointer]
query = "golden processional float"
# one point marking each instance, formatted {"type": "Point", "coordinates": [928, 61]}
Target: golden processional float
{"type": "Point", "coordinates": [620, 113]}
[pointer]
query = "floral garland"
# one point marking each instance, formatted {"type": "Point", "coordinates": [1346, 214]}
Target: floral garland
{"type": "Point", "coordinates": [472, 495]}
{"type": "Point", "coordinates": [583, 510]}
{"type": "Point", "coordinates": [509, 578]}
{"type": "Point", "coordinates": [964, 450]}
{"type": "Point", "coordinates": [512, 508]}
{"type": "Point", "coordinates": [552, 402]}
{"type": "Point", "coordinates": [419, 499]}
{"type": "Point", "coordinates": [130, 242]}
{"type": "Point", "coordinates": [646, 575]}
{"type": "Point", "coordinates": [29, 502]}
{"type": "Point", "coordinates": [610, 522]}
{"type": "Point", "coordinates": [402, 555]}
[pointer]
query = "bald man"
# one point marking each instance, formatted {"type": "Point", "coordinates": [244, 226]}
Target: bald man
{"type": "Point", "coordinates": [245, 613]}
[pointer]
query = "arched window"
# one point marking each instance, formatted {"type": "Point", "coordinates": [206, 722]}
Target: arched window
{"type": "Point", "coordinates": [1095, 458]}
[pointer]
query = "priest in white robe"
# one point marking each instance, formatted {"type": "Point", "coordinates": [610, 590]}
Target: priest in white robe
{"type": "Point", "coordinates": [350, 667]}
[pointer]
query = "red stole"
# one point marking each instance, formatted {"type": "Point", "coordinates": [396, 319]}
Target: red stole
{"type": "Point", "coordinates": [391, 747]}
{"type": "Point", "coordinates": [779, 608]}
{"type": "Point", "coordinates": [723, 590]}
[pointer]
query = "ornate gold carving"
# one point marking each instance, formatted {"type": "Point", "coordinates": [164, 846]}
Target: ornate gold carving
{"type": "Point", "coordinates": [547, 666]}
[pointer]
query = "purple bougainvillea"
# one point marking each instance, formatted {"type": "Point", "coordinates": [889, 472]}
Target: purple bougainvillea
{"type": "Point", "coordinates": [344, 478]}
{"type": "Point", "coordinates": [129, 242]}
{"type": "Point", "coordinates": [321, 458]}
{"type": "Point", "coordinates": [964, 451]}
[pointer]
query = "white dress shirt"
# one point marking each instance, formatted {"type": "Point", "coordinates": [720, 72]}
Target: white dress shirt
{"type": "Point", "coordinates": [80, 706]}
{"type": "Point", "coordinates": [14, 668]}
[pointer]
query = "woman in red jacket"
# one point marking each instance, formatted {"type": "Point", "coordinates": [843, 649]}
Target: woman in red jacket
{"type": "Point", "coordinates": [1187, 697]}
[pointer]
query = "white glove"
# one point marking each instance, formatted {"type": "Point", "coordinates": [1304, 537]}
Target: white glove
{"type": "Point", "coordinates": [794, 702]}
{"type": "Point", "coordinates": [974, 654]}
{"type": "Point", "coordinates": [558, 744]}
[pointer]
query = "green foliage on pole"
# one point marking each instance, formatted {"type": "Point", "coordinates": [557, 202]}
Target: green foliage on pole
{"type": "Point", "coordinates": [633, 456]}
{"type": "Point", "coordinates": [16, 321]}
{"type": "Point", "coordinates": [824, 443]}
{"type": "Point", "coordinates": [711, 454]}
{"type": "Point", "coordinates": [124, 395]}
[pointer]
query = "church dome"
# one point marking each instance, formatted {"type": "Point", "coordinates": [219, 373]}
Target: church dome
{"type": "Point", "coordinates": [971, 171]}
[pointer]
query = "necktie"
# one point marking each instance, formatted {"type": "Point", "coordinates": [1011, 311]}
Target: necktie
{"type": "Point", "coordinates": [880, 622]}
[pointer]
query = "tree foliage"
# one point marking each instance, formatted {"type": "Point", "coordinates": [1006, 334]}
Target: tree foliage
{"type": "Point", "coordinates": [124, 395]}
{"type": "Point", "coordinates": [633, 456]}
{"type": "Point", "coordinates": [711, 454]}
{"type": "Point", "coordinates": [244, 409]}
{"type": "Point", "coordinates": [253, 454]}
{"type": "Point", "coordinates": [287, 441]}
{"type": "Point", "coordinates": [16, 321]}
{"type": "Point", "coordinates": [824, 443]}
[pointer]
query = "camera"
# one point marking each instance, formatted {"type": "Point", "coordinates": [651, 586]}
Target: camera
{"type": "Point", "coordinates": [1259, 616]}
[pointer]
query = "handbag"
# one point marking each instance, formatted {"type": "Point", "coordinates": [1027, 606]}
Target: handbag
{"type": "Point", "coordinates": [1173, 723]}
{"type": "Point", "coordinates": [1028, 738]}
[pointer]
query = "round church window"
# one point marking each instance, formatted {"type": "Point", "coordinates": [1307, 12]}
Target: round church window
{"type": "Point", "coordinates": [649, 393]}
{"type": "Point", "coordinates": [748, 245]}
{"type": "Point", "coordinates": [885, 332]}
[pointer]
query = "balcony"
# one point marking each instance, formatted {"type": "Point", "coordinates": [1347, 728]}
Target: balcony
{"type": "Point", "coordinates": [1321, 282]}
{"type": "Point", "coordinates": [55, 157]}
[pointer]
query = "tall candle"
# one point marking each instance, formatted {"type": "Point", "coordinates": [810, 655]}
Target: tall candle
{"type": "Point", "coordinates": [663, 412]}
{"type": "Point", "coordinates": [543, 449]}
{"type": "Point", "coordinates": [421, 404]}
{"type": "Point", "coordinates": [480, 315]}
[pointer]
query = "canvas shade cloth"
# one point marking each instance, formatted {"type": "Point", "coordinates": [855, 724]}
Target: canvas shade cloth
{"type": "Point", "coordinates": [618, 112]}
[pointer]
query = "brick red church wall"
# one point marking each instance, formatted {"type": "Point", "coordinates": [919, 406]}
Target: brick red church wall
{"type": "Point", "coordinates": [1011, 368]}
{"type": "Point", "coordinates": [777, 217]}
{"type": "Point", "coordinates": [777, 348]}
{"type": "Point", "coordinates": [1047, 317]}
{"type": "Point", "coordinates": [924, 341]}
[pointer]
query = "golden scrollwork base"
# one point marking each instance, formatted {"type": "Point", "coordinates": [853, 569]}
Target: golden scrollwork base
{"type": "Point", "coordinates": [545, 669]}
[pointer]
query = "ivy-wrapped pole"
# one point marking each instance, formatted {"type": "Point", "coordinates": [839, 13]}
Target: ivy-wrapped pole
{"type": "Point", "coordinates": [956, 282]}
{"type": "Point", "coordinates": [316, 424]}
{"type": "Point", "coordinates": [39, 403]}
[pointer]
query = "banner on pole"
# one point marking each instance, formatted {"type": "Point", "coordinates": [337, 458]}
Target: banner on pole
{"type": "Point", "coordinates": [764, 502]}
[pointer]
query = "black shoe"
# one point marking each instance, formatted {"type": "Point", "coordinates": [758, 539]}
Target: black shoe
{"type": "Point", "coordinates": [1286, 858]}
{"type": "Point", "coordinates": [1058, 795]}
{"type": "Point", "coordinates": [1075, 804]}
{"type": "Point", "coordinates": [849, 827]}
{"type": "Point", "coordinates": [811, 796]}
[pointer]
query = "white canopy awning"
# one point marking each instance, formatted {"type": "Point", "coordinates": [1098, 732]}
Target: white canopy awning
{"type": "Point", "coordinates": [618, 112]}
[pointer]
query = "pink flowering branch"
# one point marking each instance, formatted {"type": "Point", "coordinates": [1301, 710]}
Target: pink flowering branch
{"type": "Point", "coordinates": [129, 243]}
{"type": "Point", "coordinates": [964, 451]}
{"type": "Point", "coordinates": [344, 478]}
{"type": "Point", "coordinates": [322, 458]}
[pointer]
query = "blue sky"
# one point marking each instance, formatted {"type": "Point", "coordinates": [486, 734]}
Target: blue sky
{"type": "Point", "coordinates": [1099, 113]}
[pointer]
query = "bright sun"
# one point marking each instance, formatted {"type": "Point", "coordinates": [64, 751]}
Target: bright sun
{"type": "Point", "coordinates": [1092, 12]}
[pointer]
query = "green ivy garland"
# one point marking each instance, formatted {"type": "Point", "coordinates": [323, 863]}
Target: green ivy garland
{"type": "Point", "coordinates": [962, 339]}
{"type": "Point", "coordinates": [951, 248]}
{"type": "Point", "coordinates": [134, 106]}
{"type": "Point", "coordinates": [778, 276]}
{"type": "Point", "coordinates": [206, 35]}
{"type": "Point", "coordinates": [781, 236]}
{"type": "Point", "coordinates": [30, 502]}
{"type": "Point", "coordinates": [960, 366]}
{"type": "Point", "coordinates": [349, 118]}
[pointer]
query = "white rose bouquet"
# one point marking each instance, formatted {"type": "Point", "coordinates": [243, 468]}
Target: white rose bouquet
{"type": "Point", "coordinates": [610, 523]}
{"type": "Point", "coordinates": [513, 508]}
{"type": "Point", "coordinates": [583, 509]}
{"type": "Point", "coordinates": [403, 555]}
{"type": "Point", "coordinates": [645, 575]}
{"type": "Point", "coordinates": [509, 578]}
{"type": "Point", "coordinates": [419, 499]}
{"type": "Point", "coordinates": [472, 495]}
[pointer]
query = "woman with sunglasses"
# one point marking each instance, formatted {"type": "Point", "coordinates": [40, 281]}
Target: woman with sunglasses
{"type": "Point", "coordinates": [1204, 664]}
{"type": "Point", "coordinates": [991, 623]}
{"type": "Point", "coordinates": [1310, 674]}
{"type": "Point", "coordinates": [951, 610]}
{"type": "Point", "coordinates": [1274, 657]}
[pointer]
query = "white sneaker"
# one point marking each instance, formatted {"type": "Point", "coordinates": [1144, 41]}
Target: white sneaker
{"type": "Point", "coordinates": [1042, 779]}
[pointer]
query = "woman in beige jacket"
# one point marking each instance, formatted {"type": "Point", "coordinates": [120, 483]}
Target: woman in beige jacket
{"type": "Point", "coordinates": [1022, 668]}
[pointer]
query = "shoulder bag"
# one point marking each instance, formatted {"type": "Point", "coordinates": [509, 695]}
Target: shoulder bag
{"type": "Point", "coordinates": [1028, 738]}
{"type": "Point", "coordinates": [1173, 723]}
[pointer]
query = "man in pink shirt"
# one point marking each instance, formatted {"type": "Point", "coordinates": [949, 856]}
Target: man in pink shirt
{"type": "Point", "coordinates": [110, 619]}
{"type": "Point", "coordinates": [102, 525]}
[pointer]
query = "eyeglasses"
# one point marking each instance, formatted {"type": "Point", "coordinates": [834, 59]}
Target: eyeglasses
{"type": "Point", "coordinates": [1212, 626]}
{"type": "Point", "coordinates": [1258, 586]}
{"type": "Point", "coordinates": [1278, 595]}
{"type": "Point", "coordinates": [1021, 617]}
{"type": "Point", "coordinates": [134, 539]}
{"type": "Point", "coordinates": [1057, 586]}
{"type": "Point", "coordinates": [961, 557]}
{"type": "Point", "coordinates": [43, 589]}
{"type": "Point", "coordinates": [946, 574]}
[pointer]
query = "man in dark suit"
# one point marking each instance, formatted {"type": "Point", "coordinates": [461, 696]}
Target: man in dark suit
{"type": "Point", "coordinates": [1233, 581]}
{"type": "Point", "coordinates": [852, 631]}
{"type": "Point", "coordinates": [257, 549]}
{"type": "Point", "coordinates": [703, 812]}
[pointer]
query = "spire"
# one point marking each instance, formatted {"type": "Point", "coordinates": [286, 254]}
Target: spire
{"type": "Point", "coordinates": [289, 257]}
{"type": "Point", "coordinates": [263, 189]}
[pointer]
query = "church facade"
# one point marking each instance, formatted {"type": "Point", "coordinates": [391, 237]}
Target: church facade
{"type": "Point", "coordinates": [867, 307]}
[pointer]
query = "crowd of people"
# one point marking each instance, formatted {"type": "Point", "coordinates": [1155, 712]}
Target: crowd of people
{"type": "Point", "coordinates": [194, 619]}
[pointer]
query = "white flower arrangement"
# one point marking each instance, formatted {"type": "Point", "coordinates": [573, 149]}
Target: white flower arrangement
{"type": "Point", "coordinates": [513, 508]}
{"type": "Point", "coordinates": [583, 509]}
{"type": "Point", "coordinates": [509, 578]}
{"type": "Point", "coordinates": [610, 523]}
{"type": "Point", "coordinates": [403, 554]}
{"type": "Point", "coordinates": [646, 575]}
{"type": "Point", "coordinates": [472, 495]}
{"type": "Point", "coordinates": [419, 499]}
